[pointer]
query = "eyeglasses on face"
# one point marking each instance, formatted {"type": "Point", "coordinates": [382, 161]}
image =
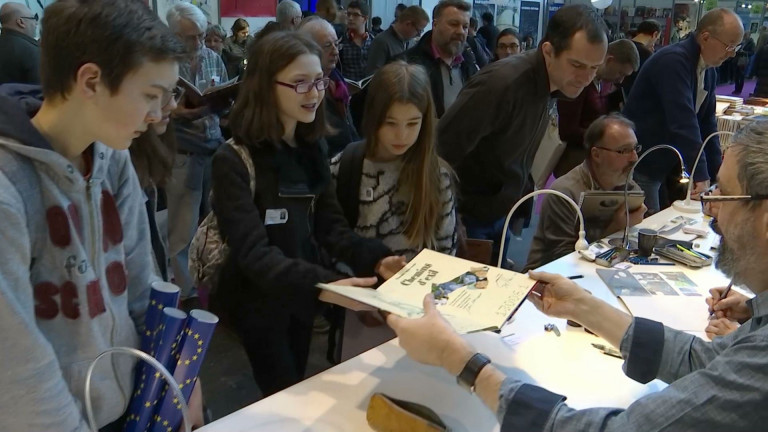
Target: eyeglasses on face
{"type": "Point", "coordinates": [36, 17]}
{"type": "Point", "coordinates": [354, 15]}
{"type": "Point", "coordinates": [508, 47]}
{"type": "Point", "coordinates": [728, 47]}
{"type": "Point", "coordinates": [707, 198]}
{"type": "Point", "coordinates": [306, 87]}
{"type": "Point", "coordinates": [623, 151]}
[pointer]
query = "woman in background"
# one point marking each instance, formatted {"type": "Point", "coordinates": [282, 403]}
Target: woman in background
{"type": "Point", "coordinates": [507, 44]}
{"type": "Point", "coordinates": [235, 50]}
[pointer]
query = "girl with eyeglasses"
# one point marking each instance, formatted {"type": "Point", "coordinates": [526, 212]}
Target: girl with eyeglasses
{"type": "Point", "coordinates": [279, 235]}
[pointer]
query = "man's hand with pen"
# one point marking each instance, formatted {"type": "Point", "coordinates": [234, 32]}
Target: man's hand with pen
{"type": "Point", "coordinates": [726, 313]}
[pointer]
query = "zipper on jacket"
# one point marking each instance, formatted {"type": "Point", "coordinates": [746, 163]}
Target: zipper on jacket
{"type": "Point", "coordinates": [93, 253]}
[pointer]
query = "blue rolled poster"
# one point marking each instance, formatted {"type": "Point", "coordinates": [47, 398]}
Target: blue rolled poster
{"type": "Point", "coordinates": [149, 382]}
{"type": "Point", "coordinates": [161, 296]}
{"type": "Point", "coordinates": [194, 343]}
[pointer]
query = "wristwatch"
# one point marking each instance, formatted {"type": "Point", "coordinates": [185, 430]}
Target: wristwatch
{"type": "Point", "coordinates": [466, 379]}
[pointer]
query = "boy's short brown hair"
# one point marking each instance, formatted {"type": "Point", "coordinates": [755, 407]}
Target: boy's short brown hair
{"type": "Point", "coordinates": [116, 35]}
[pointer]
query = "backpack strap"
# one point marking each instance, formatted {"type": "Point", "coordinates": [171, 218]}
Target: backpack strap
{"type": "Point", "coordinates": [245, 155]}
{"type": "Point", "coordinates": [21, 173]}
{"type": "Point", "coordinates": [348, 181]}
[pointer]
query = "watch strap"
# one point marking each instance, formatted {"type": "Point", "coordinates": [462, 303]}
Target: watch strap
{"type": "Point", "coordinates": [469, 374]}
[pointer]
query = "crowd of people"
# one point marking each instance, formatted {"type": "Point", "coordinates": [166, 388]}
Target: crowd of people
{"type": "Point", "coordinates": [107, 167]}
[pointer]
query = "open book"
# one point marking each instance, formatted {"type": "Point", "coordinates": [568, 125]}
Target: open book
{"type": "Point", "coordinates": [471, 296]}
{"type": "Point", "coordinates": [218, 97]}
{"type": "Point", "coordinates": [356, 86]}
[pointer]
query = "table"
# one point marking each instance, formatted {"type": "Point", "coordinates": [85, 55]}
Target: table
{"type": "Point", "coordinates": [336, 400]}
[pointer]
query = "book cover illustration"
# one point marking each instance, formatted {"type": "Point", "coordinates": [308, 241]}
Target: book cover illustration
{"type": "Point", "coordinates": [471, 296]}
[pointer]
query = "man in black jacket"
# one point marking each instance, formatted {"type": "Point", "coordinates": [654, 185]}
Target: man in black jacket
{"type": "Point", "coordinates": [443, 52]}
{"type": "Point", "coordinates": [19, 50]}
{"type": "Point", "coordinates": [490, 135]}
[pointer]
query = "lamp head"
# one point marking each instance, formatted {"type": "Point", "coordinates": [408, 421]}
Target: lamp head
{"type": "Point", "coordinates": [581, 243]}
{"type": "Point", "coordinates": [684, 177]}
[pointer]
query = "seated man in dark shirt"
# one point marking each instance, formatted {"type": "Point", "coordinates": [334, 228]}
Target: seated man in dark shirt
{"type": "Point", "coordinates": [611, 148]}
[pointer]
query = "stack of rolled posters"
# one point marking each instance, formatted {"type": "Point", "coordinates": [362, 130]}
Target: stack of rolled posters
{"type": "Point", "coordinates": [194, 343]}
{"type": "Point", "coordinates": [149, 381]}
{"type": "Point", "coordinates": [161, 296]}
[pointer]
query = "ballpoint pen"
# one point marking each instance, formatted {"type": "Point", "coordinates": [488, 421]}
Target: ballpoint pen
{"type": "Point", "coordinates": [722, 296]}
{"type": "Point", "coordinates": [607, 350]}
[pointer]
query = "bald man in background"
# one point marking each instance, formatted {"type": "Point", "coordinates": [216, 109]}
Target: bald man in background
{"type": "Point", "coordinates": [19, 51]}
{"type": "Point", "coordinates": [673, 102]}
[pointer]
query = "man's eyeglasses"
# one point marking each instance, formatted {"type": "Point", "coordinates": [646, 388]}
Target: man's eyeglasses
{"type": "Point", "coordinates": [306, 87]}
{"type": "Point", "coordinates": [329, 45]}
{"type": "Point", "coordinates": [623, 151]}
{"type": "Point", "coordinates": [354, 15]}
{"type": "Point", "coordinates": [176, 94]}
{"type": "Point", "coordinates": [36, 17]}
{"type": "Point", "coordinates": [708, 198]}
{"type": "Point", "coordinates": [419, 30]}
{"type": "Point", "coordinates": [728, 48]}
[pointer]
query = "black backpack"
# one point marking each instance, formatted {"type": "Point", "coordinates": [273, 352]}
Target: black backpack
{"type": "Point", "coordinates": [348, 180]}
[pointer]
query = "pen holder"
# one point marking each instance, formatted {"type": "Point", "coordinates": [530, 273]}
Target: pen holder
{"type": "Point", "coordinates": [684, 255]}
{"type": "Point", "coordinates": [612, 257]}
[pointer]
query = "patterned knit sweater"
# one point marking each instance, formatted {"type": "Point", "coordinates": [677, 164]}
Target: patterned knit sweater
{"type": "Point", "coordinates": [383, 208]}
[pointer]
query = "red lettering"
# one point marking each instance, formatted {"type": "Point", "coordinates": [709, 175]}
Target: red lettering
{"type": "Point", "coordinates": [116, 278]}
{"type": "Point", "coordinates": [58, 226]}
{"type": "Point", "coordinates": [45, 305]}
{"type": "Point", "coordinates": [95, 299]}
{"type": "Point", "coordinates": [70, 307]}
{"type": "Point", "coordinates": [113, 228]}
{"type": "Point", "coordinates": [74, 216]}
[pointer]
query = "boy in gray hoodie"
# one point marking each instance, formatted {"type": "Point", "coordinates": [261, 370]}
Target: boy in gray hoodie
{"type": "Point", "coordinates": [75, 256]}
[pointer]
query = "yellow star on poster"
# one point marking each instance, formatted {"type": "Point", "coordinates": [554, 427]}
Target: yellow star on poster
{"type": "Point", "coordinates": [165, 423]}
{"type": "Point", "coordinates": [186, 362]}
{"type": "Point", "coordinates": [157, 374]}
{"type": "Point", "coordinates": [199, 350]}
{"type": "Point", "coordinates": [170, 429]}
{"type": "Point", "coordinates": [189, 381]}
{"type": "Point", "coordinates": [147, 404]}
{"type": "Point", "coordinates": [181, 386]}
{"type": "Point", "coordinates": [200, 342]}
{"type": "Point", "coordinates": [194, 357]}
{"type": "Point", "coordinates": [153, 302]}
{"type": "Point", "coordinates": [197, 335]}
{"type": "Point", "coordinates": [176, 400]}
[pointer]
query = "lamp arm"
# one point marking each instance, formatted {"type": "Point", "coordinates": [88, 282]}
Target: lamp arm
{"type": "Point", "coordinates": [629, 178]}
{"type": "Point", "coordinates": [531, 195]}
{"type": "Point", "coordinates": [696, 163]}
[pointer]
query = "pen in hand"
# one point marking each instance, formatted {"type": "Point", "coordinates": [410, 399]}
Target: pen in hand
{"type": "Point", "coordinates": [722, 296]}
{"type": "Point", "coordinates": [608, 350]}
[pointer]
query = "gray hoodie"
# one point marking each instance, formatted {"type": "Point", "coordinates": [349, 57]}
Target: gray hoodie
{"type": "Point", "coordinates": [75, 270]}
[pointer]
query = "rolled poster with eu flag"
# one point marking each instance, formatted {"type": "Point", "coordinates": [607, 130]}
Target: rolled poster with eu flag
{"type": "Point", "coordinates": [161, 296]}
{"type": "Point", "coordinates": [150, 382]}
{"type": "Point", "coordinates": [194, 343]}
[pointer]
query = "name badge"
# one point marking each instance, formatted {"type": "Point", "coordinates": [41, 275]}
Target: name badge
{"type": "Point", "coordinates": [276, 216]}
{"type": "Point", "coordinates": [366, 194]}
